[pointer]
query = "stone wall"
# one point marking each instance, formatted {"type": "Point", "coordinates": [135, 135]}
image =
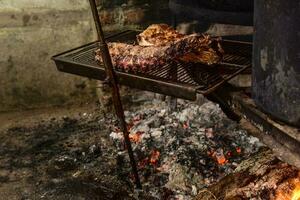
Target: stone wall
{"type": "Point", "coordinates": [124, 14]}
{"type": "Point", "coordinates": [31, 31]}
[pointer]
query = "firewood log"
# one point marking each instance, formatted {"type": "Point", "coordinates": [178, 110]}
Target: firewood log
{"type": "Point", "coordinates": [262, 176]}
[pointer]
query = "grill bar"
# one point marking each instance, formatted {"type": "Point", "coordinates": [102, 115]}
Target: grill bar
{"type": "Point", "coordinates": [175, 79]}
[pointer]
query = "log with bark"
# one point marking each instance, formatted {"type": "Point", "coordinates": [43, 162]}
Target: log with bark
{"type": "Point", "coordinates": [261, 177]}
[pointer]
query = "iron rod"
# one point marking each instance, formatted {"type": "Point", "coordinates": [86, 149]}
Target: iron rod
{"type": "Point", "coordinates": [115, 90]}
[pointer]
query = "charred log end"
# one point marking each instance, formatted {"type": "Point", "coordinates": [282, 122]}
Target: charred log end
{"type": "Point", "coordinates": [262, 176]}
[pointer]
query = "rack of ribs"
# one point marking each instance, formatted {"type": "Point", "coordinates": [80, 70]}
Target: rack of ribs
{"type": "Point", "coordinates": [159, 45]}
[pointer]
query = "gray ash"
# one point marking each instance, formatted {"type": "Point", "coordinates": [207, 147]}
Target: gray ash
{"type": "Point", "coordinates": [181, 152]}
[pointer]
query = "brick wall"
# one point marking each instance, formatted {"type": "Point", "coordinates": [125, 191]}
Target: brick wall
{"type": "Point", "coordinates": [124, 14]}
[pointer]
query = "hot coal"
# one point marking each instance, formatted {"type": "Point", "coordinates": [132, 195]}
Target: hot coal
{"type": "Point", "coordinates": [80, 154]}
{"type": "Point", "coordinates": [181, 152]}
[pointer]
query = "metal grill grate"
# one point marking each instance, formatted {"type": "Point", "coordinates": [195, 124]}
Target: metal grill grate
{"type": "Point", "coordinates": [194, 77]}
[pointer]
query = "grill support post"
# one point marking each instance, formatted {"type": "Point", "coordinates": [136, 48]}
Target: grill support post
{"type": "Point", "coordinates": [112, 80]}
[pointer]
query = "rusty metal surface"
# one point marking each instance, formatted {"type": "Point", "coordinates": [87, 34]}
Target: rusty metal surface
{"type": "Point", "coordinates": [284, 140]}
{"type": "Point", "coordinates": [112, 81]}
{"type": "Point", "coordinates": [191, 78]}
{"type": "Point", "coordinates": [276, 70]}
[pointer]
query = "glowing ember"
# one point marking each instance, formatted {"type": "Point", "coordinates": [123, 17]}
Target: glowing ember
{"type": "Point", "coordinates": [154, 157]}
{"type": "Point", "coordinates": [290, 190]}
{"type": "Point", "coordinates": [238, 150]}
{"type": "Point", "coordinates": [136, 137]}
{"type": "Point", "coordinates": [296, 193]}
{"type": "Point", "coordinates": [221, 160]}
{"type": "Point", "coordinates": [219, 157]}
{"type": "Point", "coordinates": [180, 152]}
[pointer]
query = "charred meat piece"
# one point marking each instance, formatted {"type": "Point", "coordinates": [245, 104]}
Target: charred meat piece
{"type": "Point", "coordinates": [158, 35]}
{"type": "Point", "coordinates": [209, 51]}
{"type": "Point", "coordinates": [139, 58]}
{"type": "Point", "coordinates": [160, 44]}
{"type": "Point", "coordinates": [134, 57]}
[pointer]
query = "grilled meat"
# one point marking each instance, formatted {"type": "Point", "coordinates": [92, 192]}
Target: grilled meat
{"type": "Point", "coordinates": [138, 58]}
{"type": "Point", "coordinates": [158, 35]}
{"type": "Point", "coordinates": [134, 57]}
{"type": "Point", "coordinates": [209, 51]}
{"type": "Point", "coordinates": [160, 44]}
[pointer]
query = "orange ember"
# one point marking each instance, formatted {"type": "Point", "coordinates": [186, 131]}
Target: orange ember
{"type": "Point", "coordinates": [290, 190]}
{"type": "Point", "coordinates": [154, 157]}
{"type": "Point", "coordinates": [219, 157]}
{"type": "Point", "coordinates": [296, 193]}
{"type": "Point", "coordinates": [136, 137]}
{"type": "Point", "coordinates": [238, 150]}
{"type": "Point", "coordinates": [151, 160]}
{"type": "Point", "coordinates": [222, 160]}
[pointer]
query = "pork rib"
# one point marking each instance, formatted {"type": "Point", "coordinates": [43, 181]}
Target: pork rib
{"type": "Point", "coordinates": [139, 58]}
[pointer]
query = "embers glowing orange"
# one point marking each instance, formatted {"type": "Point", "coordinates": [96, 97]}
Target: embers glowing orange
{"type": "Point", "coordinates": [221, 160]}
{"type": "Point", "coordinates": [289, 190]}
{"type": "Point", "coordinates": [154, 157]}
{"type": "Point", "coordinates": [136, 137]}
{"type": "Point", "coordinates": [238, 150]}
{"type": "Point", "coordinates": [219, 157]}
{"type": "Point", "coordinates": [296, 193]}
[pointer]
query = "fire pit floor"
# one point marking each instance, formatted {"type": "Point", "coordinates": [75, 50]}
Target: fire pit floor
{"type": "Point", "coordinates": [78, 153]}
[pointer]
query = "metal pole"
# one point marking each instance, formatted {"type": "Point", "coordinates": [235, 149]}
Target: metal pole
{"type": "Point", "coordinates": [116, 94]}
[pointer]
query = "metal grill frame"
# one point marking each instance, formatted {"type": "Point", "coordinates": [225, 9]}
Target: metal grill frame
{"type": "Point", "coordinates": [178, 80]}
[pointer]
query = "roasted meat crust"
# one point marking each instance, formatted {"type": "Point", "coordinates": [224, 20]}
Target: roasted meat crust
{"type": "Point", "coordinates": [160, 44]}
{"type": "Point", "coordinates": [138, 58]}
{"type": "Point", "coordinates": [209, 52]}
{"type": "Point", "coordinates": [158, 35]}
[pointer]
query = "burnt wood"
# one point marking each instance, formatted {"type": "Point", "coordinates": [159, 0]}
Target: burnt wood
{"type": "Point", "coordinates": [262, 176]}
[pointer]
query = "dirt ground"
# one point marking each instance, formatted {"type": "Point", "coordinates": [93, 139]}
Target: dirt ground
{"type": "Point", "coordinates": [58, 153]}
{"type": "Point", "coordinates": [66, 153]}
